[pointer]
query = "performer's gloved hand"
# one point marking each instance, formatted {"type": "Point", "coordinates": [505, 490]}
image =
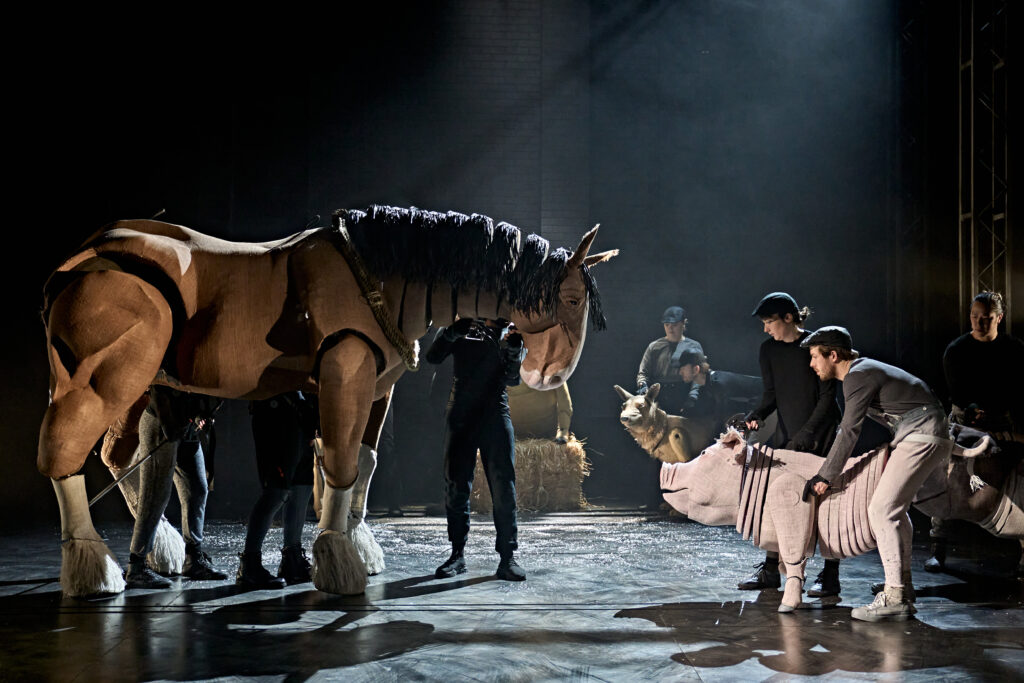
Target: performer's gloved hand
{"type": "Point", "coordinates": [641, 390]}
{"type": "Point", "coordinates": [459, 329]}
{"type": "Point", "coordinates": [800, 442]}
{"type": "Point", "coordinates": [809, 486]}
{"type": "Point", "coordinates": [514, 340]}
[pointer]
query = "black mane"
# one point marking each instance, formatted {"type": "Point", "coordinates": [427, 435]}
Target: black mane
{"type": "Point", "coordinates": [466, 252]}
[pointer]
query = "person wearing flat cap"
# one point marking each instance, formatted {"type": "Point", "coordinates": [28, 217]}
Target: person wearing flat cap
{"type": "Point", "coordinates": [660, 363]}
{"type": "Point", "coordinates": [920, 444]}
{"type": "Point", "coordinates": [806, 410]}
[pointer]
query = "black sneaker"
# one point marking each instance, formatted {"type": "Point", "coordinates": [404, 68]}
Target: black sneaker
{"type": "Point", "coordinates": [199, 567]}
{"type": "Point", "coordinates": [456, 564]}
{"type": "Point", "coordinates": [254, 576]}
{"type": "Point", "coordinates": [766, 576]}
{"type": "Point", "coordinates": [509, 570]}
{"type": "Point", "coordinates": [826, 584]}
{"type": "Point", "coordinates": [141, 576]}
{"type": "Point", "coordinates": [295, 566]}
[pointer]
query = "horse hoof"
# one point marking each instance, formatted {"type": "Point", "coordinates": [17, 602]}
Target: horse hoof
{"type": "Point", "coordinates": [168, 554]}
{"type": "Point", "coordinates": [337, 567]}
{"type": "Point", "coordinates": [89, 568]}
{"type": "Point", "coordinates": [366, 545]}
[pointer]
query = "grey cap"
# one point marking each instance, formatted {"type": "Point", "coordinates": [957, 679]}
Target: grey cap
{"type": "Point", "coordinates": [830, 335]}
{"type": "Point", "coordinates": [673, 314]}
{"type": "Point", "coordinates": [776, 303]}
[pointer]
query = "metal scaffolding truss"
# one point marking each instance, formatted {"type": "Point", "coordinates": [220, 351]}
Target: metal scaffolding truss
{"type": "Point", "coordinates": [984, 233]}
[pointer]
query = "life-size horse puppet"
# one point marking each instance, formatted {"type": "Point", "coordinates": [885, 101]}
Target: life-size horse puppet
{"type": "Point", "coordinates": [759, 489]}
{"type": "Point", "coordinates": [330, 310]}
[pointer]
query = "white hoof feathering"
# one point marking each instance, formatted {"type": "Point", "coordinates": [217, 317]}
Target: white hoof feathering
{"type": "Point", "coordinates": [366, 545]}
{"type": "Point", "coordinates": [168, 554]}
{"type": "Point", "coordinates": [337, 567]}
{"type": "Point", "coordinates": [87, 565]}
{"type": "Point", "coordinates": [358, 530]}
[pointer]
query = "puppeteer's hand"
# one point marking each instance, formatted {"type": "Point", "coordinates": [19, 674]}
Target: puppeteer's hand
{"type": "Point", "coordinates": [816, 485]}
{"type": "Point", "coordinates": [641, 390]}
{"type": "Point", "coordinates": [460, 328]}
{"type": "Point", "coordinates": [752, 421]}
{"type": "Point", "coordinates": [514, 340]}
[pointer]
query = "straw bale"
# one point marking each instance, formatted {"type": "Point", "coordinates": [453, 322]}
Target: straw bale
{"type": "Point", "coordinates": [549, 477]}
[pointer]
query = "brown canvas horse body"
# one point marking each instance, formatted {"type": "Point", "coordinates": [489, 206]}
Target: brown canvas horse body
{"type": "Point", "coordinates": [330, 310]}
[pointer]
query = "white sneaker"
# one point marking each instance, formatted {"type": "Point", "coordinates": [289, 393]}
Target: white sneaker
{"type": "Point", "coordinates": [889, 605]}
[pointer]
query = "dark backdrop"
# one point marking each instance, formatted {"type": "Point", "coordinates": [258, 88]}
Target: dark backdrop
{"type": "Point", "coordinates": [728, 148]}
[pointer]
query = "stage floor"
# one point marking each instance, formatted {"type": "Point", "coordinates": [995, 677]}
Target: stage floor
{"type": "Point", "coordinates": [611, 595]}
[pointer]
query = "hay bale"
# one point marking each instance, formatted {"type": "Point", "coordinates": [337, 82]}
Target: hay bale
{"type": "Point", "coordinates": [549, 477]}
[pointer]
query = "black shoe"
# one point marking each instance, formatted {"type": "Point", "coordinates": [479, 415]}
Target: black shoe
{"type": "Point", "coordinates": [456, 564]}
{"type": "Point", "coordinates": [199, 567]}
{"type": "Point", "coordinates": [395, 511]}
{"type": "Point", "coordinates": [937, 562]}
{"type": "Point", "coordinates": [766, 576]}
{"type": "Point", "coordinates": [141, 576]}
{"type": "Point", "coordinates": [509, 570]}
{"type": "Point", "coordinates": [295, 566]}
{"type": "Point", "coordinates": [826, 584]}
{"type": "Point", "coordinates": [252, 574]}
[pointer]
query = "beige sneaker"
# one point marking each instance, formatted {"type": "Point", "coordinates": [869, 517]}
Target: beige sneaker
{"type": "Point", "coordinates": [889, 605]}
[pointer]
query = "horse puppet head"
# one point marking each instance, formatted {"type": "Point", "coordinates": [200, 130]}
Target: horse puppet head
{"type": "Point", "coordinates": [554, 334]}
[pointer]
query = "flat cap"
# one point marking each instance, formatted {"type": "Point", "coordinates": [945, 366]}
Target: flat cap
{"type": "Point", "coordinates": [830, 335]}
{"type": "Point", "coordinates": [776, 303]}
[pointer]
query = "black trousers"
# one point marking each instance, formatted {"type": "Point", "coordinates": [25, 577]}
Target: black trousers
{"type": "Point", "coordinates": [492, 434]}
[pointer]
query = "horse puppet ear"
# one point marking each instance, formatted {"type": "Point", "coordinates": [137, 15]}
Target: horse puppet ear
{"type": "Point", "coordinates": [623, 394]}
{"type": "Point", "coordinates": [594, 259]}
{"type": "Point", "coordinates": [581, 251]}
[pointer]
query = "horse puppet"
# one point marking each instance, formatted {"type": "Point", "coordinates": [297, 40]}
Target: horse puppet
{"type": "Point", "coordinates": [331, 310]}
{"type": "Point", "coordinates": [759, 490]}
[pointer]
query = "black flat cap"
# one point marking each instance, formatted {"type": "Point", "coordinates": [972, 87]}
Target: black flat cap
{"type": "Point", "coordinates": [673, 314]}
{"type": "Point", "coordinates": [830, 335]}
{"type": "Point", "coordinates": [776, 303]}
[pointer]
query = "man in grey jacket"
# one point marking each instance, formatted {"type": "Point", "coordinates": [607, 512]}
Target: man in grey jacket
{"type": "Point", "coordinates": [661, 363]}
{"type": "Point", "coordinates": [920, 444]}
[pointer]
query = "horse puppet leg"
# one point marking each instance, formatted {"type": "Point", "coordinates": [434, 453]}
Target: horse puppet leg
{"type": "Point", "coordinates": [793, 520]}
{"type": "Point", "coordinates": [106, 337]}
{"type": "Point", "coordinates": [358, 530]}
{"type": "Point", "coordinates": [168, 554]}
{"type": "Point", "coordinates": [347, 382]}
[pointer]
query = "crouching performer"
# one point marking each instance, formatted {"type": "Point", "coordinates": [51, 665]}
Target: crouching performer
{"type": "Point", "coordinates": [486, 360]}
{"type": "Point", "coordinates": [920, 445]}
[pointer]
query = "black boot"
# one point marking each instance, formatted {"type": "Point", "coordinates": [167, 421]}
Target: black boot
{"type": "Point", "coordinates": [141, 576]}
{"type": "Point", "coordinates": [252, 575]}
{"type": "Point", "coordinates": [766, 576]}
{"type": "Point", "coordinates": [295, 566]}
{"type": "Point", "coordinates": [198, 565]}
{"type": "Point", "coordinates": [456, 564]}
{"type": "Point", "coordinates": [509, 569]}
{"type": "Point", "coordinates": [937, 562]}
{"type": "Point", "coordinates": [827, 583]}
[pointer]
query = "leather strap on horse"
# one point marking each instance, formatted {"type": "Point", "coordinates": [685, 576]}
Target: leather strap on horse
{"type": "Point", "coordinates": [375, 299]}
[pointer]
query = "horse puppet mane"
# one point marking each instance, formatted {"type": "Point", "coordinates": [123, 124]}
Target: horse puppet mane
{"type": "Point", "coordinates": [465, 252]}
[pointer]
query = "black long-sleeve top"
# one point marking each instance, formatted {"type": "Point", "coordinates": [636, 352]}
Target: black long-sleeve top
{"type": "Point", "coordinates": [806, 406]}
{"type": "Point", "coordinates": [988, 375]}
{"type": "Point", "coordinates": [481, 371]}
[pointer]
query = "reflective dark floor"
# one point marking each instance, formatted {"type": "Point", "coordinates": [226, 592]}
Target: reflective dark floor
{"type": "Point", "coordinates": [611, 595]}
